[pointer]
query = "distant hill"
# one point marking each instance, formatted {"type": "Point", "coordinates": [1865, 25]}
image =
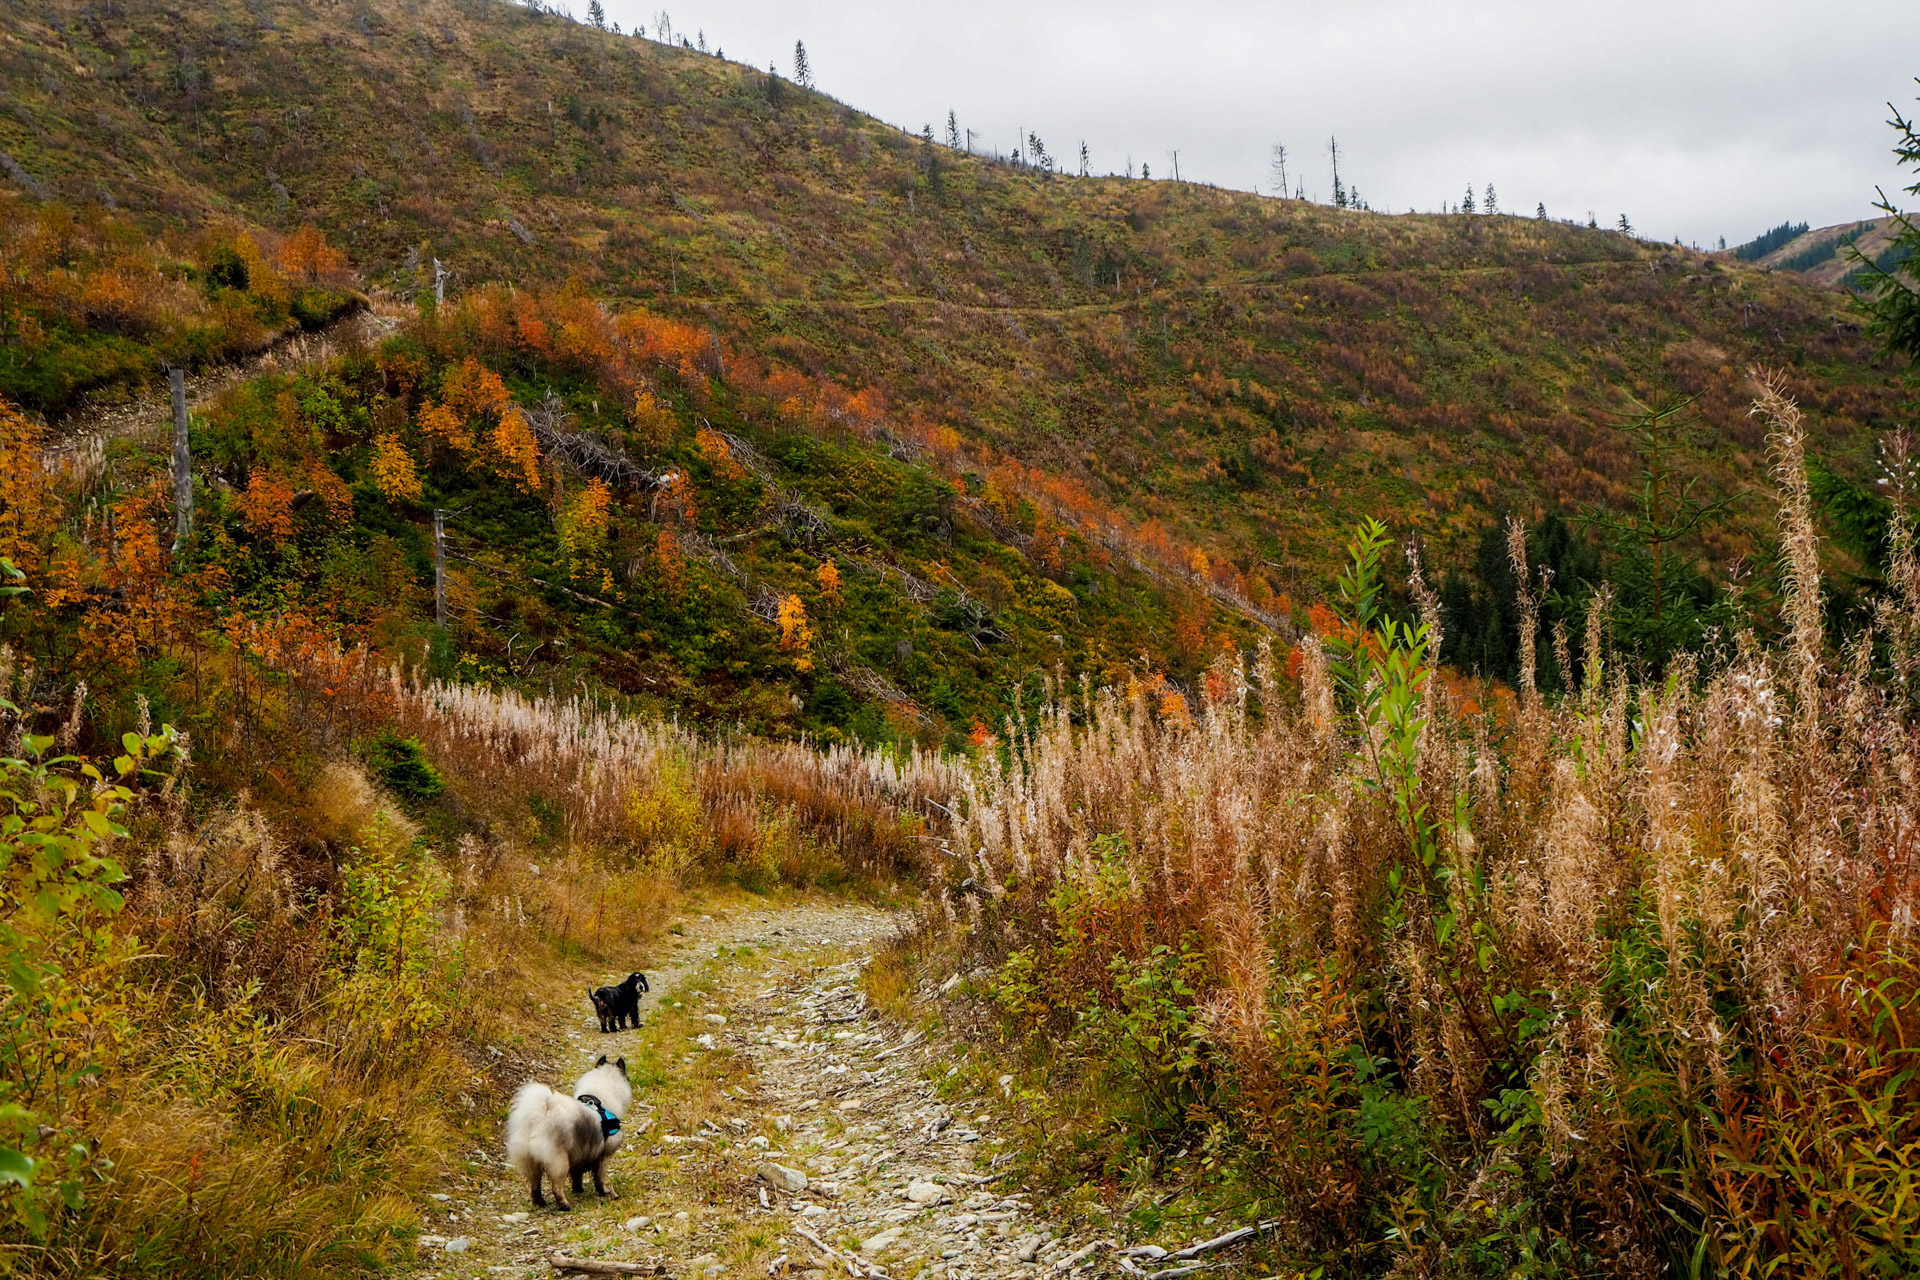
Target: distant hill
{"type": "Point", "coordinates": [1097, 417]}
{"type": "Point", "coordinates": [1819, 254]}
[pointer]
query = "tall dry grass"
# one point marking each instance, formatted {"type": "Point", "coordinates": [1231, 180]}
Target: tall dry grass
{"type": "Point", "coordinates": [653, 794]}
{"type": "Point", "coordinates": [291, 1012]}
{"type": "Point", "coordinates": [1633, 991]}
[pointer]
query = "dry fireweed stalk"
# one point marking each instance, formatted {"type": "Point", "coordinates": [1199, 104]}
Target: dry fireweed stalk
{"type": "Point", "coordinates": [1633, 962]}
{"type": "Point", "coordinates": [618, 782]}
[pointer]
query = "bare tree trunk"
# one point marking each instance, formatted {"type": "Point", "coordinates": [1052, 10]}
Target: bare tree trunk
{"type": "Point", "coordinates": [182, 460]}
{"type": "Point", "coordinates": [440, 568]}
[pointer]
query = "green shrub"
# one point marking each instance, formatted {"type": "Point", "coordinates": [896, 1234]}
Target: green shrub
{"type": "Point", "coordinates": [403, 765]}
{"type": "Point", "coordinates": [226, 269]}
{"type": "Point", "coordinates": [58, 948]}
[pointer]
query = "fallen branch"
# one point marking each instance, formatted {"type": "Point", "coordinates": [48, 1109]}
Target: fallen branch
{"type": "Point", "coordinates": [855, 1268]}
{"type": "Point", "coordinates": [1154, 1253]}
{"type": "Point", "coordinates": [1220, 1242]}
{"type": "Point", "coordinates": [565, 1265]}
{"type": "Point", "coordinates": [817, 1243]}
{"type": "Point", "coordinates": [908, 1043]}
{"type": "Point", "coordinates": [1072, 1260]}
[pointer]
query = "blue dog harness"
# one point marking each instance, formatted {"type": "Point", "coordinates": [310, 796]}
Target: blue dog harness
{"type": "Point", "coordinates": [609, 1122]}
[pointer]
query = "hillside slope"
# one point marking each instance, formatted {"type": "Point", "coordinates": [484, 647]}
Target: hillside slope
{"type": "Point", "coordinates": [1820, 255]}
{"type": "Point", "coordinates": [1250, 372]}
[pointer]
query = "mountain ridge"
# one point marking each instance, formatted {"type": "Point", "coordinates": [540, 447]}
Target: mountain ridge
{"type": "Point", "coordinates": [1209, 386]}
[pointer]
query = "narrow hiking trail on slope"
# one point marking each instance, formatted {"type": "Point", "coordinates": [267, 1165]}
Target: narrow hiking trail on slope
{"type": "Point", "coordinates": [147, 415]}
{"type": "Point", "coordinates": [780, 1128]}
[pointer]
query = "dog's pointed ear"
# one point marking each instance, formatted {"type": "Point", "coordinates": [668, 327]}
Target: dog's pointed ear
{"type": "Point", "coordinates": [623, 1066]}
{"type": "Point", "coordinates": [602, 1062]}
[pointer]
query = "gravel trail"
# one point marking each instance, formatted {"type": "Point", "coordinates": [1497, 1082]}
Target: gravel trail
{"type": "Point", "coordinates": [797, 1133]}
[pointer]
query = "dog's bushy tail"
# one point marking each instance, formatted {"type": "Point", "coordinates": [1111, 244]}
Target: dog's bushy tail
{"type": "Point", "coordinates": [529, 1148]}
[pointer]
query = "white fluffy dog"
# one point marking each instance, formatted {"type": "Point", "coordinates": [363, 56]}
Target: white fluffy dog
{"type": "Point", "coordinates": [558, 1138]}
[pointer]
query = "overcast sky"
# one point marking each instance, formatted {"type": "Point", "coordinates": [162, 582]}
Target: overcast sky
{"type": "Point", "coordinates": [1695, 119]}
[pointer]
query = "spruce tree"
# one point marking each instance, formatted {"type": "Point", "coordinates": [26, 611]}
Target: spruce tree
{"type": "Point", "coordinates": [1887, 281]}
{"type": "Point", "coordinates": [1086, 165]}
{"type": "Point", "coordinates": [953, 131]}
{"type": "Point", "coordinates": [802, 70]}
{"type": "Point", "coordinates": [1466, 205]}
{"type": "Point", "coordinates": [596, 14]}
{"type": "Point", "coordinates": [1492, 204]}
{"type": "Point", "coordinates": [1277, 165]}
{"type": "Point", "coordinates": [1542, 214]}
{"type": "Point", "coordinates": [1625, 227]}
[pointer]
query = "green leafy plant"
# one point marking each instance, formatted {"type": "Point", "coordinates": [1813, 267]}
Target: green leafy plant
{"type": "Point", "coordinates": [1153, 1039]}
{"type": "Point", "coordinates": [394, 965]}
{"type": "Point", "coordinates": [58, 1021]}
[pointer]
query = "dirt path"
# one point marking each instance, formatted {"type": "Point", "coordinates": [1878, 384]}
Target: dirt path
{"type": "Point", "coordinates": [148, 415]}
{"type": "Point", "coordinates": [780, 1128]}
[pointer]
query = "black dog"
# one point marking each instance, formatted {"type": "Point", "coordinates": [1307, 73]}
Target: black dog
{"type": "Point", "coordinates": [617, 1005]}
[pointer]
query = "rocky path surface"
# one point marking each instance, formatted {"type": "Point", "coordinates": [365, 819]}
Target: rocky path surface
{"type": "Point", "coordinates": [781, 1128]}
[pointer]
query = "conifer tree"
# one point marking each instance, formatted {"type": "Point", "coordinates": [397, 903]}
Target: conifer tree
{"type": "Point", "coordinates": [1887, 281]}
{"type": "Point", "coordinates": [953, 131]}
{"type": "Point", "coordinates": [1466, 205]}
{"type": "Point", "coordinates": [1086, 165]}
{"type": "Point", "coordinates": [596, 14]}
{"type": "Point", "coordinates": [1542, 213]}
{"type": "Point", "coordinates": [1625, 228]}
{"type": "Point", "coordinates": [1492, 203]}
{"type": "Point", "coordinates": [802, 70]}
{"type": "Point", "coordinates": [1339, 192]}
{"type": "Point", "coordinates": [1277, 165]}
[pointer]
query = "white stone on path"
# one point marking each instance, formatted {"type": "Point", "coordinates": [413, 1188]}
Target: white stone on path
{"type": "Point", "coordinates": [781, 1178]}
{"type": "Point", "coordinates": [874, 1244]}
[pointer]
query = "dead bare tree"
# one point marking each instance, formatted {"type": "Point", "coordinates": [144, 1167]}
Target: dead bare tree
{"type": "Point", "coordinates": [182, 458]}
